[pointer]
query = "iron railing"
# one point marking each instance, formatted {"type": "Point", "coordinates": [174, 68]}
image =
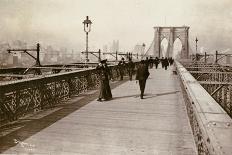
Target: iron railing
{"type": "Point", "coordinates": [196, 126]}
{"type": "Point", "coordinates": [18, 98]}
{"type": "Point", "coordinates": [217, 80]}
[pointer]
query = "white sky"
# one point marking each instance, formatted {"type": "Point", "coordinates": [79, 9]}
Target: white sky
{"type": "Point", "coordinates": [59, 22]}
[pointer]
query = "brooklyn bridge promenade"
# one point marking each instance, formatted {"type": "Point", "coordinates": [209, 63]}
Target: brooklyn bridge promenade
{"type": "Point", "coordinates": [179, 115]}
{"type": "Point", "coordinates": [156, 125]}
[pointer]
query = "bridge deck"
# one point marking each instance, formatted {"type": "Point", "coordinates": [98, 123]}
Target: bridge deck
{"type": "Point", "coordinates": [155, 125]}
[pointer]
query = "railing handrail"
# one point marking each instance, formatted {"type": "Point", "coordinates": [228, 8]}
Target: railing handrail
{"type": "Point", "coordinates": [48, 76]}
{"type": "Point", "coordinates": [213, 129]}
{"type": "Point", "coordinates": [43, 76]}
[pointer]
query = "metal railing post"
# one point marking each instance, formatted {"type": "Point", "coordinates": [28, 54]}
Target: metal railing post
{"type": "Point", "coordinates": [216, 61]}
{"type": "Point", "coordinates": [205, 57]}
{"type": "Point", "coordinates": [99, 55]}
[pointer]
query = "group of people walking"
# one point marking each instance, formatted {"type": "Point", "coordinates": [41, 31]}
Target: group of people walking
{"type": "Point", "coordinates": [165, 62]}
{"type": "Point", "coordinates": [124, 67]}
{"type": "Point", "coordinates": [142, 74]}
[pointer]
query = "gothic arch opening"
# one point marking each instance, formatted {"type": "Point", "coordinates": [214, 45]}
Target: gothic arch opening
{"type": "Point", "coordinates": [163, 47]}
{"type": "Point", "coordinates": [170, 33]}
{"type": "Point", "coordinates": [177, 47]}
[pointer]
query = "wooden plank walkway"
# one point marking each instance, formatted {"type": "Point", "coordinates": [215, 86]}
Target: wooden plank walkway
{"type": "Point", "coordinates": [156, 125]}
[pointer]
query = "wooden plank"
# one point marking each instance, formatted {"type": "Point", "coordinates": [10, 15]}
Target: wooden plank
{"type": "Point", "coordinates": [157, 124]}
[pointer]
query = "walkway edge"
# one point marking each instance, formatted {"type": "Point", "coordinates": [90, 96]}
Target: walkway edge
{"type": "Point", "coordinates": [211, 125]}
{"type": "Point", "coordinates": [35, 126]}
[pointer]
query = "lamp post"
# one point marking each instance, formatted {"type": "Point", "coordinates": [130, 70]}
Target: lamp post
{"type": "Point", "coordinates": [87, 28]}
{"type": "Point", "coordinates": [196, 43]}
{"type": "Point", "coordinates": [143, 50]}
{"type": "Point", "coordinates": [196, 40]}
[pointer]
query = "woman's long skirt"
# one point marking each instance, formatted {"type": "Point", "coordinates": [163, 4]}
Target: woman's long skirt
{"type": "Point", "coordinates": [105, 91]}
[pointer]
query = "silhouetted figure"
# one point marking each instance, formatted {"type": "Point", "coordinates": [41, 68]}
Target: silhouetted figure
{"type": "Point", "coordinates": [156, 62]}
{"type": "Point", "coordinates": [151, 61]}
{"type": "Point", "coordinates": [170, 61]}
{"type": "Point", "coordinates": [121, 67]}
{"type": "Point", "coordinates": [142, 75]}
{"type": "Point", "coordinates": [165, 63]}
{"type": "Point", "coordinates": [131, 67]}
{"type": "Point", "coordinates": [162, 62]}
{"type": "Point", "coordinates": [105, 74]}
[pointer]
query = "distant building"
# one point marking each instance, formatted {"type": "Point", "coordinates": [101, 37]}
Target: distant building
{"type": "Point", "coordinates": [4, 55]}
{"type": "Point", "coordinates": [140, 49]}
{"type": "Point", "coordinates": [115, 46]}
{"type": "Point", "coordinates": [105, 49]}
{"type": "Point", "coordinates": [111, 48]}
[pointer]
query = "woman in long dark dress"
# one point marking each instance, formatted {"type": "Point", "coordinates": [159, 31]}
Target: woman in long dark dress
{"type": "Point", "coordinates": [105, 74]}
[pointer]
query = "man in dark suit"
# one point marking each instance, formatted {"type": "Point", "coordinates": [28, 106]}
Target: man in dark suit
{"type": "Point", "coordinates": [121, 67]}
{"type": "Point", "coordinates": [142, 75]}
{"type": "Point", "coordinates": [130, 66]}
{"type": "Point", "coordinates": [156, 62]}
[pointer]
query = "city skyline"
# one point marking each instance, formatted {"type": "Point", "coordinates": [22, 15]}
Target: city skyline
{"type": "Point", "coordinates": [59, 23]}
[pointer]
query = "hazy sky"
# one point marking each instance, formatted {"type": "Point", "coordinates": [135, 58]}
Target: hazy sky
{"type": "Point", "coordinates": [59, 22]}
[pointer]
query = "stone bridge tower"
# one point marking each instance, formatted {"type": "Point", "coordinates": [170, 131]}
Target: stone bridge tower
{"type": "Point", "coordinates": [171, 34]}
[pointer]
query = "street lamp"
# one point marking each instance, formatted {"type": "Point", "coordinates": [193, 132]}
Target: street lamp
{"type": "Point", "coordinates": [196, 44]}
{"type": "Point", "coordinates": [87, 28]}
{"type": "Point", "coordinates": [143, 50]}
{"type": "Point", "coordinates": [196, 40]}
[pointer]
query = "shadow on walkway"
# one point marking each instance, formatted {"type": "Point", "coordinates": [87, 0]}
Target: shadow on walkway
{"type": "Point", "coordinates": [160, 94]}
{"type": "Point", "coordinates": [128, 96]}
{"type": "Point", "coordinates": [146, 96]}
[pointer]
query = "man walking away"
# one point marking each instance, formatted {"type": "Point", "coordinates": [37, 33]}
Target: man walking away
{"type": "Point", "coordinates": [166, 63]}
{"type": "Point", "coordinates": [162, 62]}
{"type": "Point", "coordinates": [121, 67]}
{"type": "Point", "coordinates": [131, 67]}
{"type": "Point", "coordinates": [142, 75]}
{"type": "Point", "coordinates": [156, 62]}
{"type": "Point", "coordinates": [171, 61]}
{"type": "Point", "coordinates": [151, 61]}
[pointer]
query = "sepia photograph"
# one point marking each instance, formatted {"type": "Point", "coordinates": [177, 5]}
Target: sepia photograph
{"type": "Point", "coordinates": [116, 77]}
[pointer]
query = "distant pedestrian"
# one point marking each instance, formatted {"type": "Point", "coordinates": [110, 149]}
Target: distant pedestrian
{"type": "Point", "coordinates": [170, 60]}
{"type": "Point", "coordinates": [156, 62]}
{"type": "Point", "coordinates": [165, 63]}
{"type": "Point", "coordinates": [147, 62]}
{"type": "Point", "coordinates": [151, 61]}
{"type": "Point", "coordinates": [121, 67]}
{"type": "Point", "coordinates": [131, 67]}
{"type": "Point", "coordinates": [162, 62]}
{"type": "Point", "coordinates": [105, 74]}
{"type": "Point", "coordinates": [142, 75]}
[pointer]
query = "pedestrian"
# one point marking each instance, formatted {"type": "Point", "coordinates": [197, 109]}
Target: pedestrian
{"type": "Point", "coordinates": [156, 62]}
{"type": "Point", "coordinates": [147, 62]}
{"type": "Point", "coordinates": [165, 63]}
{"type": "Point", "coordinates": [151, 61]}
{"type": "Point", "coordinates": [105, 74]}
{"type": "Point", "coordinates": [131, 67]}
{"type": "Point", "coordinates": [162, 62]}
{"type": "Point", "coordinates": [121, 67]}
{"type": "Point", "coordinates": [142, 75]}
{"type": "Point", "coordinates": [170, 61]}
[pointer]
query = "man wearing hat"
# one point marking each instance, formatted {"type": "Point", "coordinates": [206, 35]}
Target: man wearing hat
{"type": "Point", "coordinates": [121, 67]}
{"type": "Point", "coordinates": [104, 75]}
{"type": "Point", "coordinates": [142, 75]}
{"type": "Point", "coordinates": [130, 66]}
